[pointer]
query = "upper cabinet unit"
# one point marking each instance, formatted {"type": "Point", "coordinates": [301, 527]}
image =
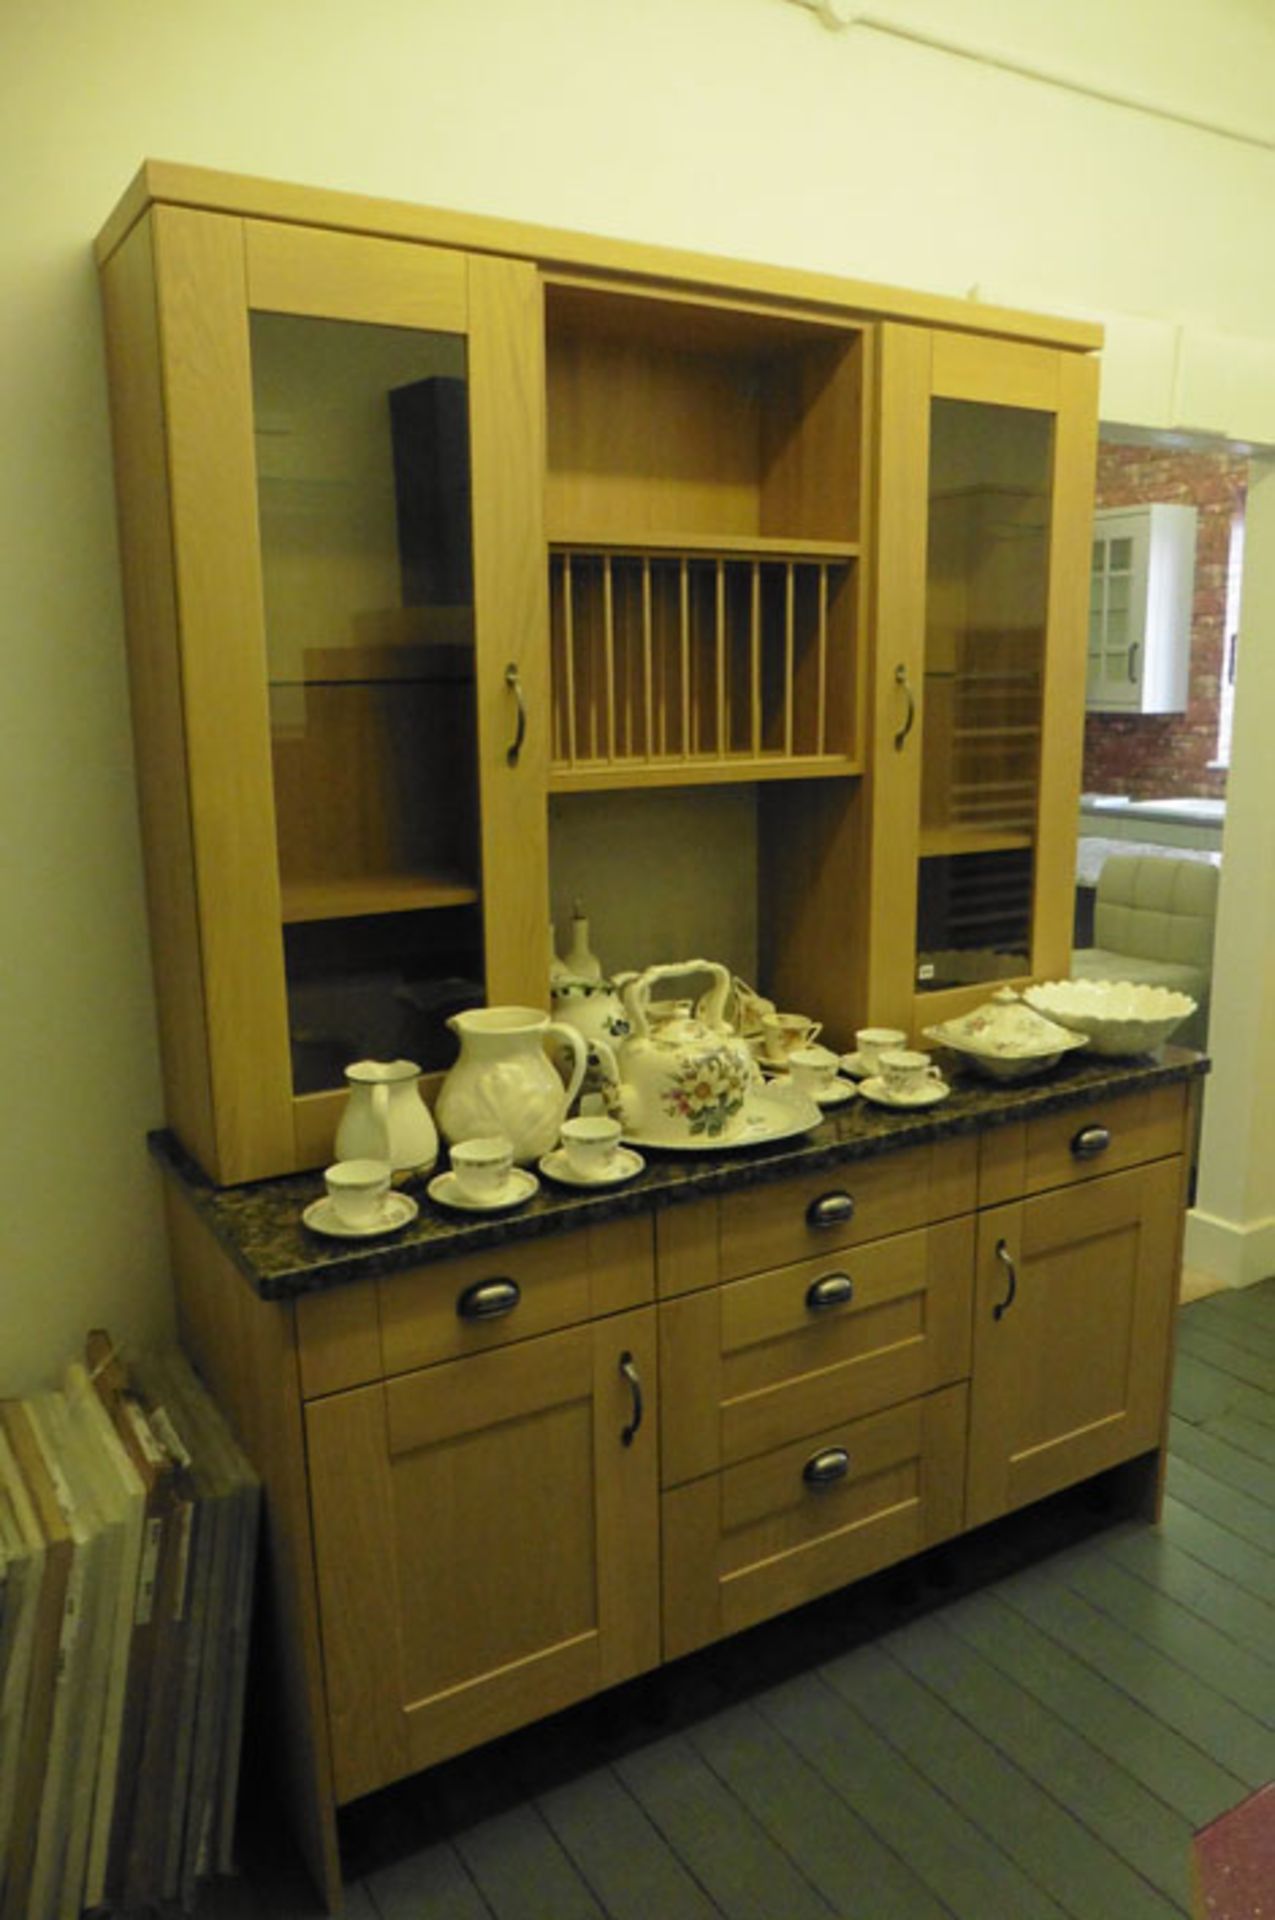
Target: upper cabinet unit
{"type": "Point", "coordinates": [329, 461]}
{"type": "Point", "coordinates": [702, 499]}
{"type": "Point", "coordinates": [1141, 590]}
{"type": "Point", "coordinates": [472, 569]}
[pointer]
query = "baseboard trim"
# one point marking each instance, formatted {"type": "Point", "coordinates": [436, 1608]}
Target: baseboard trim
{"type": "Point", "coordinates": [1239, 1254]}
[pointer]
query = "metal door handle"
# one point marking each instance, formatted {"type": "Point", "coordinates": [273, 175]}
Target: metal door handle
{"type": "Point", "coordinates": [825, 1468]}
{"type": "Point", "coordinates": [488, 1299]}
{"type": "Point", "coordinates": [834, 1290]}
{"type": "Point", "coordinates": [628, 1367]}
{"type": "Point", "coordinates": [1090, 1142]}
{"type": "Point", "coordinates": [514, 683]}
{"type": "Point", "coordinates": [1003, 1255]}
{"type": "Point", "coordinates": [901, 680]}
{"type": "Point", "coordinates": [1133, 663]}
{"type": "Point", "coordinates": [830, 1210]}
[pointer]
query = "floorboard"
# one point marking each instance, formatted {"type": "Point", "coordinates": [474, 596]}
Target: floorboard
{"type": "Point", "coordinates": [1037, 1743]}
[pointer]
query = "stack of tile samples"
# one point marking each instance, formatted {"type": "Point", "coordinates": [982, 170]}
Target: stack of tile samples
{"type": "Point", "coordinates": [128, 1535]}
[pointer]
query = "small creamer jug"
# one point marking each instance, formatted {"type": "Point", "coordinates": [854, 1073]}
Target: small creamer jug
{"type": "Point", "coordinates": [386, 1117]}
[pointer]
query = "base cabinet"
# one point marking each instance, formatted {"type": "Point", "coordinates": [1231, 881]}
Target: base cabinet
{"type": "Point", "coordinates": [501, 1482]}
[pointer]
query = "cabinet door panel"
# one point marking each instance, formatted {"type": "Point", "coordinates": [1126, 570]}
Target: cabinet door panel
{"type": "Point", "coordinates": [1069, 1376]}
{"type": "Point", "coordinates": [486, 1545]}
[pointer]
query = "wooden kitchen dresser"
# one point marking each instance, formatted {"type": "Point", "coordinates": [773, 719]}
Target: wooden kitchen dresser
{"type": "Point", "coordinates": [505, 1476]}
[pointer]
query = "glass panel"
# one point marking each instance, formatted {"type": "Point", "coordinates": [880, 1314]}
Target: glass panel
{"type": "Point", "coordinates": [1121, 559]}
{"type": "Point", "coordinates": [986, 588]}
{"type": "Point", "coordinates": [363, 501]}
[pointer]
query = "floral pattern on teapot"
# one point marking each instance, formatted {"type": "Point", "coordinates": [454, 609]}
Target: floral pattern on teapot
{"type": "Point", "coordinates": [708, 1091]}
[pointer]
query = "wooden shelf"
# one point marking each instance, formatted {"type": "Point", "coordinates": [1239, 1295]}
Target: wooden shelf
{"type": "Point", "coordinates": [942, 842]}
{"type": "Point", "coordinates": [742, 546]}
{"type": "Point", "coordinates": [343, 897]}
{"type": "Point", "coordinates": [597, 776]}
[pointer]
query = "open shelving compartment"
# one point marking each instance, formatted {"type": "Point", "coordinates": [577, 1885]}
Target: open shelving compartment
{"type": "Point", "coordinates": [705, 503]}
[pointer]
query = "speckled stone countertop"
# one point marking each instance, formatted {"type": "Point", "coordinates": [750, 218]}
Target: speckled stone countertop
{"type": "Point", "coordinates": [260, 1225]}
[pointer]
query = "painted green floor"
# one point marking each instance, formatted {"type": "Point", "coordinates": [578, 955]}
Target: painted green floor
{"type": "Point", "coordinates": [1043, 1746]}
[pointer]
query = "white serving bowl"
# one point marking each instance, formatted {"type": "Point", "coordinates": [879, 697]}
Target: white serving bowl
{"type": "Point", "coordinates": [1115, 1016]}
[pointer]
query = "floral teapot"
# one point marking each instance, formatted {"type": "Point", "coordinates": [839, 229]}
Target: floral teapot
{"type": "Point", "coordinates": [684, 1077]}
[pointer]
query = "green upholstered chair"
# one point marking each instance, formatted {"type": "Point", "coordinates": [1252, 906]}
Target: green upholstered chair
{"type": "Point", "coordinates": [1153, 922]}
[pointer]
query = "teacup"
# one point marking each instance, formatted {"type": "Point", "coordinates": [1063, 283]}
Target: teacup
{"type": "Point", "coordinates": [813, 1070]}
{"type": "Point", "coordinates": [482, 1166]}
{"type": "Point", "coordinates": [357, 1190]}
{"type": "Point", "coordinates": [591, 1143]}
{"type": "Point", "coordinates": [872, 1042]}
{"type": "Point", "coordinates": [906, 1072]}
{"type": "Point", "coordinates": [784, 1033]}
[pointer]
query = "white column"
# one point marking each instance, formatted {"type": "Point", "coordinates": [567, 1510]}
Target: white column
{"type": "Point", "coordinates": [1231, 1230]}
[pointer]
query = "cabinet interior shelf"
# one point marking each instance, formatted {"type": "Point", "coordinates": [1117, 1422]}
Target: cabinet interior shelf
{"type": "Point", "coordinates": [730, 770]}
{"type": "Point", "coordinates": [343, 897]}
{"type": "Point", "coordinates": [671, 544]}
{"type": "Point", "coordinates": [941, 842]}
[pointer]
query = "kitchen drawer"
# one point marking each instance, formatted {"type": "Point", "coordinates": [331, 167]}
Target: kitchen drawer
{"type": "Point", "coordinates": [759, 1538]}
{"type": "Point", "coordinates": [748, 1366]}
{"type": "Point", "coordinates": [814, 1214]}
{"type": "Point", "coordinates": [451, 1308]}
{"type": "Point", "coordinates": [1080, 1143]}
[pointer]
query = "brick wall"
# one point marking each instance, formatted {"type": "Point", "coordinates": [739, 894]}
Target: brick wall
{"type": "Point", "coordinates": [1155, 754]}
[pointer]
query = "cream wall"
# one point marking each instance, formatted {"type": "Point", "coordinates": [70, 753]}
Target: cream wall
{"type": "Point", "coordinates": [742, 126]}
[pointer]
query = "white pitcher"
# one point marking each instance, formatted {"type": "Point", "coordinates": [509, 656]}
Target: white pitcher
{"type": "Point", "coordinates": [386, 1118]}
{"type": "Point", "coordinates": [503, 1081]}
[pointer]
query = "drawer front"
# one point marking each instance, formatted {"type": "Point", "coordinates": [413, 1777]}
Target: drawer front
{"type": "Point", "coordinates": [1061, 1149]}
{"type": "Point", "coordinates": [512, 1292]}
{"type": "Point", "coordinates": [807, 1217]}
{"type": "Point", "coordinates": [354, 1335]}
{"type": "Point", "coordinates": [765, 1359]}
{"type": "Point", "coordinates": [757, 1539]}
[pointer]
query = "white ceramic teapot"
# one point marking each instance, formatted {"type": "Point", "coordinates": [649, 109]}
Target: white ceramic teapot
{"type": "Point", "coordinates": [504, 1082]}
{"type": "Point", "coordinates": [684, 1078]}
{"type": "Point", "coordinates": [385, 1117]}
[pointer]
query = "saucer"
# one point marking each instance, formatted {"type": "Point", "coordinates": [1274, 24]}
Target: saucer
{"type": "Point", "coordinates": [927, 1096]}
{"type": "Point", "coordinates": [395, 1211]}
{"type": "Point", "coordinates": [836, 1096]}
{"type": "Point", "coordinates": [626, 1166]}
{"type": "Point", "coordinates": [445, 1188]}
{"type": "Point", "coordinates": [775, 1112]}
{"type": "Point", "coordinates": [856, 1066]}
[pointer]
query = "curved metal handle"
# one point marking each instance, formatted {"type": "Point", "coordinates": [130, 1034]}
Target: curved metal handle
{"type": "Point", "coordinates": [1090, 1142]}
{"type": "Point", "coordinates": [488, 1299]}
{"type": "Point", "coordinates": [1003, 1255]}
{"type": "Point", "coordinates": [628, 1367]}
{"type": "Point", "coordinates": [834, 1290]}
{"type": "Point", "coordinates": [514, 682]}
{"type": "Point", "coordinates": [1133, 663]}
{"type": "Point", "coordinates": [901, 680]}
{"type": "Point", "coordinates": [825, 1468]}
{"type": "Point", "coordinates": [830, 1210]}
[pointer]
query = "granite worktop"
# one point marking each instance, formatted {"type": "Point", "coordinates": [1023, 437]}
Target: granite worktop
{"type": "Point", "coordinates": [260, 1225]}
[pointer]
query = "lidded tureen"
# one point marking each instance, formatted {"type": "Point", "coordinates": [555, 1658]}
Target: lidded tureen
{"type": "Point", "coordinates": [1006, 1039]}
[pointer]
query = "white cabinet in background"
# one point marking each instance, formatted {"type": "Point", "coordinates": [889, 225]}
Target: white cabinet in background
{"type": "Point", "coordinates": [1140, 609]}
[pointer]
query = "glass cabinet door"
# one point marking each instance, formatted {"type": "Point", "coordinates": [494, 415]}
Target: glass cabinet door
{"type": "Point", "coordinates": [362, 452]}
{"type": "Point", "coordinates": [987, 573]}
{"type": "Point", "coordinates": [988, 453]}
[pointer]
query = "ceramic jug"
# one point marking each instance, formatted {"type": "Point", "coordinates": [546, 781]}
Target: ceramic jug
{"type": "Point", "coordinates": [504, 1082]}
{"type": "Point", "coordinates": [386, 1118]}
